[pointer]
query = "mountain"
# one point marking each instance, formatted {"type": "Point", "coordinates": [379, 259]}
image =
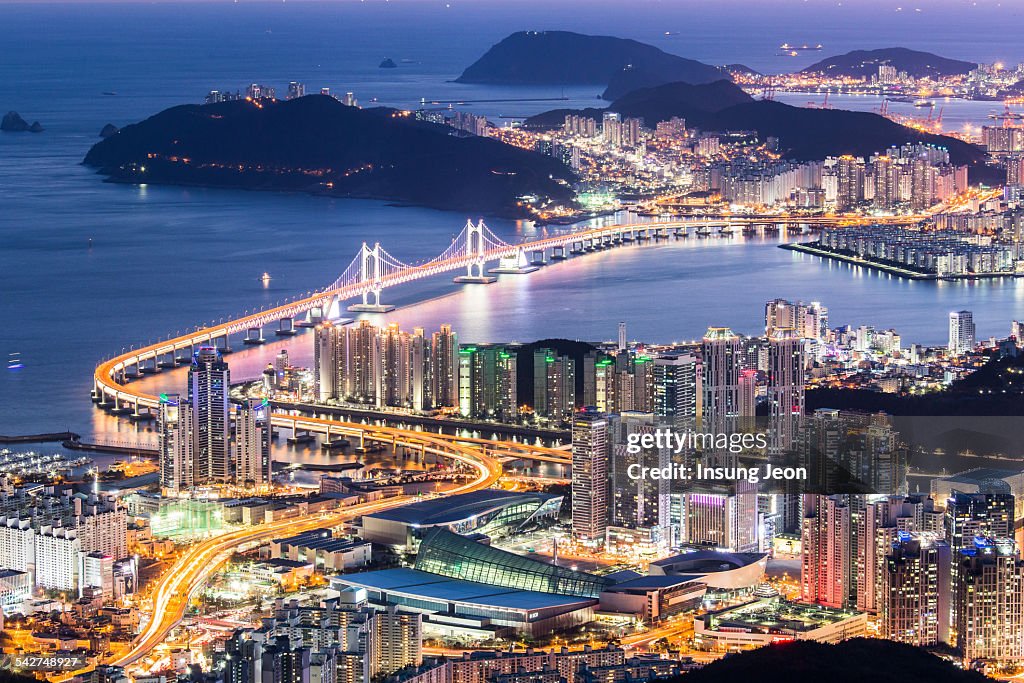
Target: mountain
{"type": "Point", "coordinates": [659, 103]}
{"type": "Point", "coordinates": [803, 133]}
{"type": "Point", "coordinates": [865, 63]}
{"type": "Point", "coordinates": [851, 661]}
{"type": "Point", "coordinates": [566, 58]}
{"type": "Point", "coordinates": [316, 144]}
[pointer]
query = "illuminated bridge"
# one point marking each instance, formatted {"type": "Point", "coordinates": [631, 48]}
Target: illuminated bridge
{"type": "Point", "coordinates": [372, 271]}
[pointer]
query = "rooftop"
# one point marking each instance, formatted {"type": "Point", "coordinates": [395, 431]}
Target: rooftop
{"type": "Point", "coordinates": [424, 584]}
{"type": "Point", "coordinates": [450, 509]}
{"type": "Point", "coordinates": [770, 615]}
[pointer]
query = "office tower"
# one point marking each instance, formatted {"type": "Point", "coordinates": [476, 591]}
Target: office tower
{"type": "Point", "coordinates": [296, 90]}
{"type": "Point", "coordinates": [877, 526]}
{"type": "Point", "coordinates": [175, 444]}
{"type": "Point", "coordinates": [252, 444]}
{"type": "Point", "coordinates": [487, 382]}
{"type": "Point", "coordinates": [785, 387]}
{"type": "Point", "coordinates": [328, 361]}
{"type": "Point", "coordinates": [722, 357]}
{"type": "Point", "coordinates": [589, 475]}
{"type": "Point", "coordinates": [554, 384]}
{"type": "Point", "coordinates": [397, 641]}
{"type": "Point", "coordinates": [622, 337]}
{"type": "Point", "coordinates": [589, 371]}
{"type": "Point", "coordinates": [825, 541]}
{"type": "Point", "coordinates": [961, 332]}
{"type": "Point", "coordinates": [444, 368]}
{"type": "Point", "coordinates": [1017, 332]}
{"type": "Point", "coordinates": [677, 387]}
{"type": "Point", "coordinates": [915, 601]}
{"type": "Point", "coordinates": [208, 383]}
{"type": "Point", "coordinates": [637, 502]}
{"type": "Point", "coordinates": [725, 518]}
{"type": "Point", "coordinates": [988, 615]}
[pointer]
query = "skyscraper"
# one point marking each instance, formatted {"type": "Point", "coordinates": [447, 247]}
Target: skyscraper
{"type": "Point", "coordinates": [589, 475]}
{"type": "Point", "coordinates": [175, 443]}
{"type": "Point", "coordinates": [252, 443]}
{"type": "Point", "coordinates": [487, 382]}
{"type": "Point", "coordinates": [637, 502]}
{"type": "Point", "coordinates": [915, 599]}
{"type": "Point", "coordinates": [328, 360]}
{"type": "Point", "coordinates": [988, 612]}
{"type": "Point", "coordinates": [961, 332]}
{"type": "Point", "coordinates": [785, 387]}
{"type": "Point", "coordinates": [722, 358]}
{"type": "Point", "coordinates": [677, 387]}
{"type": "Point", "coordinates": [208, 382]}
{"type": "Point", "coordinates": [444, 368]}
{"type": "Point", "coordinates": [397, 641]}
{"type": "Point", "coordinates": [554, 384]}
{"type": "Point", "coordinates": [825, 542]}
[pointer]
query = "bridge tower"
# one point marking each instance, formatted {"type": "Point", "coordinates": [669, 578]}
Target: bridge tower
{"type": "Point", "coordinates": [515, 264]}
{"type": "Point", "coordinates": [371, 272]}
{"type": "Point", "coordinates": [475, 253]}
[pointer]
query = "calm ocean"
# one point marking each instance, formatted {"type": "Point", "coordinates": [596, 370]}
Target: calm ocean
{"type": "Point", "coordinates": [165, 258]}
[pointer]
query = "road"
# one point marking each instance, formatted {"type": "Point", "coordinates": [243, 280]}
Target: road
{"type": "Point", "coordinates": [195, 567]}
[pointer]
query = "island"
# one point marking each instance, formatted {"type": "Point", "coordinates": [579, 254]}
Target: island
{"type": "Point", "coordinates": [804, 134]}
{"type": "Point", "coordinates": [316, 144]}
{"type": "Point", "coordinates": [865, 63]}
{"type": "Point", "coordinates": [566, 58]}
{"type": "Point", "coordinates": [388, 63]}
{"type": "Point", "coordinates": [13, 123]}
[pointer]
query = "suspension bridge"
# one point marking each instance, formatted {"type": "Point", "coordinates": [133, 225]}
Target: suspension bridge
{"type": "Point", "coordinates": [374, 270]}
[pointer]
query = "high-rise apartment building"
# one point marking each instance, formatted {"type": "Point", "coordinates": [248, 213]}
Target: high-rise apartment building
{"type": "Point", "coordinates": [915, 600]}
{"type": "Point", "coordinates": [252, 443]}
{"type": "Point", "coordinates": [590, 454]}
{"type": "Point", "coordinates": [786, 394]}
{"type": "Point", "coordinates": [722, 356]}
{"type": "Point", "coordinates": [988, 610]}
{"type": "Point", "coordinates": [961, 332]}
{"type": "Point", "coordinates": [678, 383]}
{"type": "Point", "coordinates": [174, 425]}
{"type": "Point", "coordinates": [825, 547]}
{"type": "Point", "coordinates": [209, 381]}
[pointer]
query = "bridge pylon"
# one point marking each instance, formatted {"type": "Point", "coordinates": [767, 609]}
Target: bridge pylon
{"type": "Point", "coordinates": [371, 273]}
{"type": "Point", "coordinates": [516, 264]}
{"type": "Point", "coordinates": [475, 254]}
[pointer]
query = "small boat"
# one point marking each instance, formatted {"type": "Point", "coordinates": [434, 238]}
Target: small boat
{"type": "Point", "coordinates": [265, 278]}
{"type": "Point", "coordinates": [14, 361]}
{"type": "Point", "coordinates": [110, 93]}
{"type": "Point", "coordinates": [924, 102]}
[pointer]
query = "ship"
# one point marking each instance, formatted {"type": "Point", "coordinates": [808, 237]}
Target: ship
{"type": "Point", "coordinates": [786, 47]}
{"type": "Point", "coordinates": [923, 102]}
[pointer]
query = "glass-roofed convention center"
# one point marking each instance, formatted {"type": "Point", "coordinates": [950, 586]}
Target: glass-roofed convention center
{"type": "Point", "coordinates": [468, 589]}
{"type": "Point", "coordinates": [490, 512]}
